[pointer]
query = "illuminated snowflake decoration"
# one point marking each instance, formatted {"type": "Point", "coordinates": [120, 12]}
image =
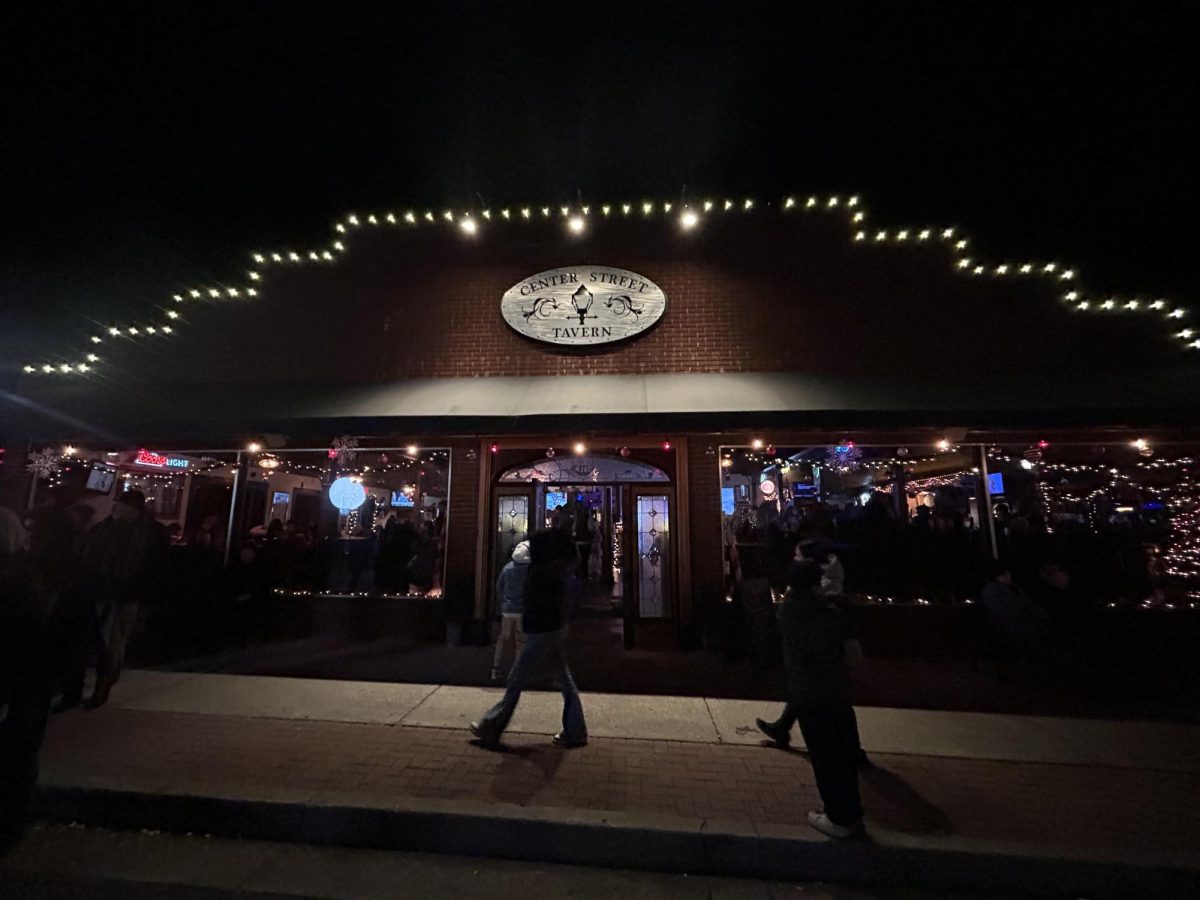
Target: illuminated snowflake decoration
{"type": "Point", "coordinates": [843, 457]}
{"type": "Point", "coordinates": [43, 463]}
{"type": "Point", "coordinates": [343, 451]}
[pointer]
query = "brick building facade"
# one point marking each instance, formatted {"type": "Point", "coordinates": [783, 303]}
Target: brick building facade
{"type": "Point", "coordinates": [791, 320]}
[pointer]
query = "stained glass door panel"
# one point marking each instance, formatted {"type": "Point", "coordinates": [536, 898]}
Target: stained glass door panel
{"type": "Point", "coordinates": [512, 525]}
{"type": "Point", "coordinates": [652, 515]}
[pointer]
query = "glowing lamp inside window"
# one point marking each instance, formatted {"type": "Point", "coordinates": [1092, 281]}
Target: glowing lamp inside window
{"type": "Point", "coordinates": [347, 494]}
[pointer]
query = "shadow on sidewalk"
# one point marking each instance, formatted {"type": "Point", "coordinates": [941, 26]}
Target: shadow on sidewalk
{"type": "Point", "coordinates": [524, 772]}
{"type": "Point", "coordinates": [895, 804]}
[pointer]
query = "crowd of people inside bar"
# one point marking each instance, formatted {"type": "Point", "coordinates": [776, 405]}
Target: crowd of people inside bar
{"type": "Point", "coordinates": [1075, 542]}
{"type": "Point", "coordinates": [265, 524]}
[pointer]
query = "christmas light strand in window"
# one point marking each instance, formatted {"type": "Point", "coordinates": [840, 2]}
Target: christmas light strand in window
{"type": "Point", "coordinates": [578, 220]}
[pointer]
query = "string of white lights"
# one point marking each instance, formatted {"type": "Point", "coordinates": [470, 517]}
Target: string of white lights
{"type": "Point", "coordinates": [686, 216]}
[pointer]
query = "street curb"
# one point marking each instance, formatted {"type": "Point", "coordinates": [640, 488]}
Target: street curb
{"type": "Point", "coordinates": [624, 840]}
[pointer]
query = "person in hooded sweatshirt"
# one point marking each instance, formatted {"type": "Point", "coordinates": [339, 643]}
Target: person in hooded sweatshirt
{"type": "Point", "coordinates": [510, 588]}
{"type": "Point", "coordinates": [818, 680]}
{"type": "Point", "coordinates": [830, 587]}
{"type": "Point", "coordinates": [551, 554]}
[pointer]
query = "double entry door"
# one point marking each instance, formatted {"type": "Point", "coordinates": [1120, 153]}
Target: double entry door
{"type": "Point", "coordinates": [634, 527]}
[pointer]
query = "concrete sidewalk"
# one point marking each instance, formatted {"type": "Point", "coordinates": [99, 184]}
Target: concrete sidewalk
{"type": "Point", "coordinates": [1139, 745]}
{"type": "Point", "coordinates": [671, 783]}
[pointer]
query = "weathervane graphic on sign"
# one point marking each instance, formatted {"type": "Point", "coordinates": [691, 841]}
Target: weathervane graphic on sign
{"type": "Point", "coordinates": [582, 301]}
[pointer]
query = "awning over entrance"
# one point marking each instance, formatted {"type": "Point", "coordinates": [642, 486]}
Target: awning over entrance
{"type": "Point", "coordinates": [710, 400]}
{"type": "Point", "coordinates": [725, 392]}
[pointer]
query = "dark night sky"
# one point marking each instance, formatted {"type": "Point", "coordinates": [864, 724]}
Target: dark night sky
{"type": "Point", "coordinates": [152, 143]}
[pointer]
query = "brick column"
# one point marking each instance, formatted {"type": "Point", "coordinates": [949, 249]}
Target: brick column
{"type": "Point", "coordinates": [704, 513]}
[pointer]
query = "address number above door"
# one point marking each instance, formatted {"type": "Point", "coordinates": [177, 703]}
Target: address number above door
{"type": "Point", "coordinates": [583, 305]}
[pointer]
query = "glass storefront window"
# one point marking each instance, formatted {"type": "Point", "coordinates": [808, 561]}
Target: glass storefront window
{"type": "Point", "coordinates": [187, 492]}
{"type": "Point", "coordinates": [371, 521]}
{"type": "Point", "coordinates": [856, 503]}
{"type": "Point", "coordinates": [287, 534]}
{"type": "Point", "coordinates": [1119, 522]}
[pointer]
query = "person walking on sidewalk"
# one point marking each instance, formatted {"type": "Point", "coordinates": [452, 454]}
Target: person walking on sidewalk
{"type": "Point", "coordinates": [818, 681]}
{"type": "Point", "coordinates": [830, 588]}
{"type": "Point", "coordinates": [510, 588]}
{"type": "Point", "coordinates": [545, 624]}
{"type": "Point", "coordinates": [29, 576]}
{"type": "Point", "coordinates": [121, 566]}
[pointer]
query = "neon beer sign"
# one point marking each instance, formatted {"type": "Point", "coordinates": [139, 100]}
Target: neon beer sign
{"type": "Point", "coordinates": [159, 460]}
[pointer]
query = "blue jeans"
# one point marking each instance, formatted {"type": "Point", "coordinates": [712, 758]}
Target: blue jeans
{"type": "Point", "coordinates": [538, 646]}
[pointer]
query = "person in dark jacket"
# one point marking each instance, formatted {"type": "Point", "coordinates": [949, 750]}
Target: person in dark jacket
{"type": "Point", "coordinates": [28, 580]}
{"type": "Point", "coordinates": [780, 731]}
{"type": "Point", "coordinates": [122, 566]}
{"type": "Point", "coordinates": [396, 550]}
{"type": "Point", "coordinates": [1019, 626]}
{"type": "Point", "coordinates": [818, 681]}
{"type": "Point", "coordinates": [544, 622]}
{"type": "Point", "coordinates": [423, 565]}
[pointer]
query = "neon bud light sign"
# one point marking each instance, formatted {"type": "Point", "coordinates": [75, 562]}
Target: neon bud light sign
{"type": "Point", "coordinates": [160, 461]}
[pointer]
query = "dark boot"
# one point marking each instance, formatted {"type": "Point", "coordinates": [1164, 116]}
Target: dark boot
{"type": "Point", "coordinates": [68, 701]}
{"type": "Point", "coordinates": [781, 737]}
{"type": "Point", "coordinates": [99, 695]}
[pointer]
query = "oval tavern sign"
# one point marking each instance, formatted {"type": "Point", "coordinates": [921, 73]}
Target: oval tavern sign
{"type": "Point", "coordinates": [583, 305]}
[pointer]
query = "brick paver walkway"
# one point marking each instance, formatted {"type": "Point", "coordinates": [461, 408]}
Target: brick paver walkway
{"type": "Point", "coordinates": [1054, 806]}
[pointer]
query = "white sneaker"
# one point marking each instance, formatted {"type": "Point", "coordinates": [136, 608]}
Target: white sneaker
{"type": "Point", "coordinates": [828, 827]}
